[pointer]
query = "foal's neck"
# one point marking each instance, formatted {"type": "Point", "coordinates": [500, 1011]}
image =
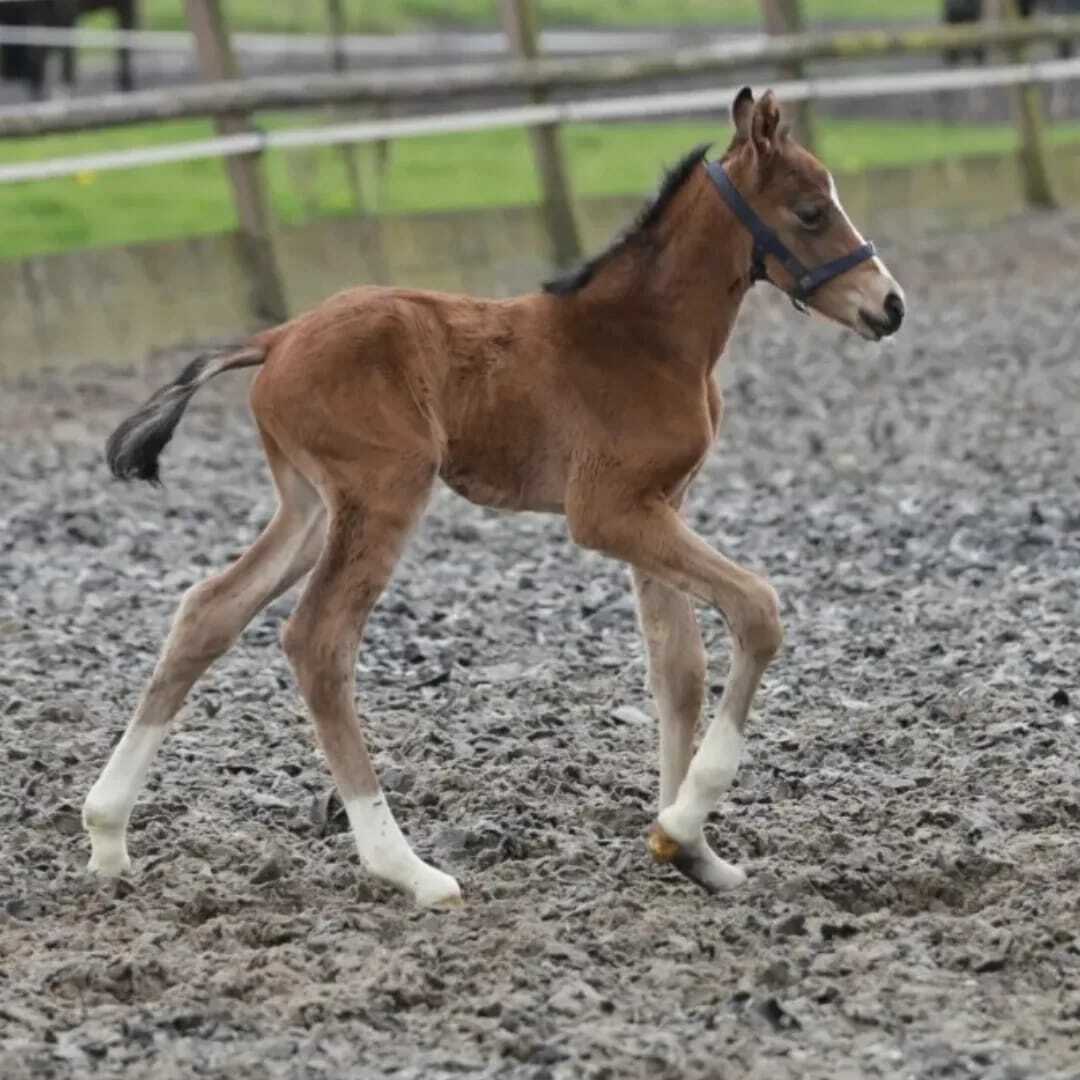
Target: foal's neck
{"type": "Point", "coordinates": [679, 298]}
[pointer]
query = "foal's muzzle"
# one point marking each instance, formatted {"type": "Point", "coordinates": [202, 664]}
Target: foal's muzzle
{"type": "Point", "coordinates": [889, 322]}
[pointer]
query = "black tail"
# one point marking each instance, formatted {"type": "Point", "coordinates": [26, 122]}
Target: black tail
{"type": "Point", "coordinates": [134, 447]}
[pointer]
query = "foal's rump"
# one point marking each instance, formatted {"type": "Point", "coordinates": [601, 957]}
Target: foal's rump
{"type": "Point", "coordinates": [433, 382]}
{"type": "Point", "coordinates": [376, 349]}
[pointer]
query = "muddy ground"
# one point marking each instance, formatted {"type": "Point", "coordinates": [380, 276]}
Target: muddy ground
{"type": "Point", "coordinates": [908, 812]}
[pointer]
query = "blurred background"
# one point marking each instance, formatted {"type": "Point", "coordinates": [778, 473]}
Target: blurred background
{"type": "Point", "coordinates": [468, 145]}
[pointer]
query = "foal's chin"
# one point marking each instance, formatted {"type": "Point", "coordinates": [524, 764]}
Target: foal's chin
{"type": "Point", "coordinates": [855, 325]}
{"type": "Point", "coordinates": [864, 331]}
{"type": "Point", "coordinates": [850, 321]}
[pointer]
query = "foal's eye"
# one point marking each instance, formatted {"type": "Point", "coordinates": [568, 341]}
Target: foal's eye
{"type": "Point", "coordinates": [811, 216]}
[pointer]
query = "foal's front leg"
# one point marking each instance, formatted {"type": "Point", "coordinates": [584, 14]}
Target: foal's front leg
{"type": "Point", "coordinates": [655, 540]}
{"type": "Point", "coordinates": [677, 679]}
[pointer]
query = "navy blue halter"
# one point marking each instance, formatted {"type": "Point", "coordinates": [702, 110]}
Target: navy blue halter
{"type": "Point", "coordinates": [766, 242]}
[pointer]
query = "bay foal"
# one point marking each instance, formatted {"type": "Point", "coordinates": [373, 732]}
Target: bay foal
{"type": "Point", "coordinates": [593, 399]}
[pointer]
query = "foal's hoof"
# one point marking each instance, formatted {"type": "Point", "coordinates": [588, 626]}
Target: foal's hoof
{"type": "Point", "coordinates": [109, 866]}
{"type": "Point", "coordinates": [447, 903]}
{"type": "Point", "coordinates": [661, 846]}
{"type": "Point", "coordinates": [437, 891]}
{"type": "Point", "coordinates": [699, 863]}
{"type": "Point", "coordinates": [108, 855]}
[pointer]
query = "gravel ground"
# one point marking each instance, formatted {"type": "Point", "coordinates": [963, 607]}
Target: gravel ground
{"type": "Point", "coordinates": [908, 812]}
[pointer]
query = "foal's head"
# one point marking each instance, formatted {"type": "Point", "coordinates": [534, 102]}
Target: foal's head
{"type": "Point", "coordinates": [793, 194]}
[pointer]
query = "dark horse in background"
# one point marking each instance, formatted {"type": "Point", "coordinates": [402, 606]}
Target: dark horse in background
{"type": "Point", "coordinates": [28, 63]}
{"type": "Point", "coordinates": [965, 11]}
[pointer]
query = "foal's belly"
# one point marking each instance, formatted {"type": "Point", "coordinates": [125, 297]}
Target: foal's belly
{"type": "Point", "coordinates": [502, 480]}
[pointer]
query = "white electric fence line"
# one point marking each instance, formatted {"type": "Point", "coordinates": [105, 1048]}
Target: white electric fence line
{"type": "Point", "coordinates": [624, 108]}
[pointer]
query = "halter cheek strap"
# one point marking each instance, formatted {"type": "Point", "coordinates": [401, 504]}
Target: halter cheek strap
{"type": "Point", "coordinates": [766, 243]}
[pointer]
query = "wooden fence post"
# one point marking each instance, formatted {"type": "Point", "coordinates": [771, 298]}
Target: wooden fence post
{"type": "Point", "coordinates": [339, 60]}
{"type": "Point", "coordinates": [1029, 112]}
{"type": "Point", "coordinates": [786, 17]}
{"type": "Point", "coordinates": [216, 61]}
{"type": "Point", "coordinates": [519, 23]}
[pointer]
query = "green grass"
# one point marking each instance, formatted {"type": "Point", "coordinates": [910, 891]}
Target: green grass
{"type": "Point", "coordinates": [434, 173]}
{"type": "Point", "coordinates": [396, 15]}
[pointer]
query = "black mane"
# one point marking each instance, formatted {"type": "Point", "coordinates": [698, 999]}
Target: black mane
{"type": "Point", "coordinates": [639, 229]}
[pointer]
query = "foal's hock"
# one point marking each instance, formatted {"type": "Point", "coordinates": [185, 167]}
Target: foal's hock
{"type": "Point", "coordinates": [593, 398]}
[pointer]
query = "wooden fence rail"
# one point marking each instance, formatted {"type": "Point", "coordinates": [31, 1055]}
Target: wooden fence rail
{"type": "Point", "coordinates": [424, 45]}
{"type": "Point", "coordinates": [389, 87]}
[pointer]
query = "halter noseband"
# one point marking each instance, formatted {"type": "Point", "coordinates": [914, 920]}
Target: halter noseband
{"type": "Point", "coordinates": [766, 242]}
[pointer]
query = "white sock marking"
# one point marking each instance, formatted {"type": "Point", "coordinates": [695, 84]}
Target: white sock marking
{"type": "Point", "coordinates": [109, 804]}
{"type": "Point", "coordinates": [710, 775]}
{"type": "Point", "coordinates": [386, 853]}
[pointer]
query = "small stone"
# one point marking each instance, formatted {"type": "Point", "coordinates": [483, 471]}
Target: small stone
{"type": "Point", "coordinates": [122, 887]}
{"type": "Point", "coordinates": [629, 715]}
{"type": "Point", "coordinates": [573, 998]}
{"type": "Point", "coordinates": [681, 946]}
{"type": "Point", "coordinates": [791, 925]}
{"type": "Point", "coordinates": [271, 870]}
{"type": "Point", "coordinates": [777, 1016]}
{"type": "Point", "coordinates": [777, 975]}
{"type": "Point", "coordinates": [831, 931]}
{"type": "Point", "coordinates": [399, 780]}
{"type": "Point", "coordinates": [67, 822]}
{"type": "Point", "coordinates": [501, 673]}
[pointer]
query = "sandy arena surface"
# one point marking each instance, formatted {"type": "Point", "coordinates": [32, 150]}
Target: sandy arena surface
{"type": "Point", "coordinates": [908, 812]}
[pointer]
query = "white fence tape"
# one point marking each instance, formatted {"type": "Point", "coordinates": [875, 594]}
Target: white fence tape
{"type": "Point", "coordinates": [623, 108]}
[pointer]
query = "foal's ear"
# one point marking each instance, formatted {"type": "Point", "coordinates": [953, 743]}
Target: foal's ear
{"type": "Point", "coordinates": [764, 124]}
{"type": "Point", "coordinates": [742, 110]}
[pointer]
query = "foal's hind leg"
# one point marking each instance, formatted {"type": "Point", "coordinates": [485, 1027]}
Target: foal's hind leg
{"type": "Point", "coordinates": [676, 674]}
{"type": "Point", "coordinates": [372, 512]}
{"type": "Point", "coordinates": [208, 621]}
{"type": "Point", "coordinates": [677, 678]}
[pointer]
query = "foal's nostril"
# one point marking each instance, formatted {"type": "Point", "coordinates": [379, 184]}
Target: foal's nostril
{"type": "Point", "coordinates": [894, 311]}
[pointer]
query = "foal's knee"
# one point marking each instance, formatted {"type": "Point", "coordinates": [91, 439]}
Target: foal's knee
{"type": "Point", "coordinates": [759, 629]}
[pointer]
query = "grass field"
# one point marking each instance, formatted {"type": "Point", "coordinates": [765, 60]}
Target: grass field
{"type": "Point", "coordinates": [481, 169]}
{"type": "Point", "coordinates": [387, 15]}
{"type": "Point", "coordinates": [424, 174]}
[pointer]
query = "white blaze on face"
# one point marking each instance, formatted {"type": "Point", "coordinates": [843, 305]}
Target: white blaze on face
{"type": "Point", "coordinates": [866, 292]}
